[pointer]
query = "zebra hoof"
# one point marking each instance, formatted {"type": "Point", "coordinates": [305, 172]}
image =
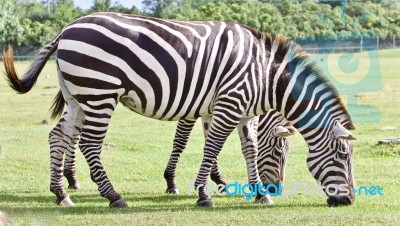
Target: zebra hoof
{"type": "Point", "coordinates": [75, 186]}
{"type": "Point", "coordinates": [205, 203]}
{"type": "Point", "coordinates": [264, 200]}
{"type": "Point", "coordinates": [65, 202]}
{"type": "Point", "coordinates": [173, 191]}
{"type": "Point", "coordinates": [119, 204]}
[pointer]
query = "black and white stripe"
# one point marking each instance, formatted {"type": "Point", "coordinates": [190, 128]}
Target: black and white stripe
{"type": "Point", "coordinates": [273, 145]}
{"type": "Point", "coordinates": [171, 70]}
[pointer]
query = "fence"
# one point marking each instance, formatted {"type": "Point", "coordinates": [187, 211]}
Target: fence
{"type": "Point", "coordinates": [349, 45]}
{"type": "Point", "coordinates": [29, 57]}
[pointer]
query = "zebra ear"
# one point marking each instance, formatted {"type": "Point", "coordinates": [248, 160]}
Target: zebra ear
{"type": "Point", "coordinates": [281, 131]}
{"type": "Point", "coordinates": [342, 133]}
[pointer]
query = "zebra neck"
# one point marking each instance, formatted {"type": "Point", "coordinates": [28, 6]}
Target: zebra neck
{"type": "Point", "coordinates": [299, 91]}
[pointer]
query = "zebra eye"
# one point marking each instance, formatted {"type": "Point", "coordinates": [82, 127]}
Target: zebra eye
{"type": "Point", "coordinates": [342, 155]}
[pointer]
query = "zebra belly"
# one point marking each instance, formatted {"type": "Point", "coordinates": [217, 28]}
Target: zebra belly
{"type": "Point", "coordinates": [133, 103]}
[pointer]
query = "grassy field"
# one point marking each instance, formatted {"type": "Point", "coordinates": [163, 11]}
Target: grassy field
{"type": "Point", "coordinates": [136, 164]}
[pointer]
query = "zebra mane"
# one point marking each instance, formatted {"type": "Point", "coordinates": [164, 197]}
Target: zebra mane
{"type": "Point", "coordinates": [300, 56]}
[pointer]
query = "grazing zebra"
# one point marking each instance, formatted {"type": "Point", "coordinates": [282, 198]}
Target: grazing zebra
{"type": "Point", "coordinates": [272, 131]}
{"type": "Point", "coordinates": [171, 70]}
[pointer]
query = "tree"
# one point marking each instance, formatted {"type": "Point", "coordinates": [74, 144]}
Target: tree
{"type": "Point", "coordinates": [35, 11]}
{"type": "Point", "coordinates": [10, 27]}
{"type": "Point", "coordinates": [117, 7]}
{"type": "Point", "coordinates": [100, 6]}
{"type": "Point", "coordinates": [30, 23]}
{"type": "Point", "coordinates": [156, 7]}
{"type": "Point", "coordinates": [110, 6]}
{"type": "Point", "coordinates": [270, 19]}
{"type": "Point", "coordinates": [64, 13]}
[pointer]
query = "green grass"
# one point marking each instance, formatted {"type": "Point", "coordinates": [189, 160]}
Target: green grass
{"type": "Point", "coordinates": [135, 167]}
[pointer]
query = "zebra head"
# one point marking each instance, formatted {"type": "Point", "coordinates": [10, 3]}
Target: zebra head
{"type": "Point", "coordinates": [273, 145]}
{"type": "Point", "coordinates": [299, 90]}
{"type": "Point", "coordinates": [331, 164]}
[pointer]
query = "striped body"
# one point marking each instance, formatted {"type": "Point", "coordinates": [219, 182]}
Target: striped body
{"type": "Point", "coordinates": [171, 70]}
{"type": "Point", "coordinates": [143, 68]}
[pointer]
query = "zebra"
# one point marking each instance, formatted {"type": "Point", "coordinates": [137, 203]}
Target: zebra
{"type": "Point", "coordinates": [272, 132]}
{"type": "Point", "coordinates": [223, 72]}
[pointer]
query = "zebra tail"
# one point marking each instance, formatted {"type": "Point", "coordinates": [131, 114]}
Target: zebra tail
{"type": "Point", "coordinates": [25, 84]}
{"type": "Point", "coordinates": [57, 107]}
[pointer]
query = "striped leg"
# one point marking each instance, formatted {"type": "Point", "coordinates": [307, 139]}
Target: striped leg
{"type": "Point", "coordinates": [181, 138]}
{"type": "Point", "coordinates": [61, 138]}
{"type": "Point", "coordinates": [70, 163]}
{"type": "Point", "coordinates": [182, 134]}
{"type": "Point", "coordinates": [215, 173]}
{"type": "Point", "coordinates": [221, 125]}
{"type": "Point", "coordinates": [247, 129]}
{"type": "Point", "coordinates": [93, 133]}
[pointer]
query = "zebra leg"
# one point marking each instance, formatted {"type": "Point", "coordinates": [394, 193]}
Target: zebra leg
{"type": "Point", "coordinates": [94, 130]}
{"type": "Point", "coordinates": [61, 138]}
{"type": "Point", "coordinates": [182, 134]}
{"type": "Point", "coordinates": [181, 138]}
{"type": "Point", "coordinates": [215, 174]}
{"type": "Point", "coordinates": [70, 164]}
{"type": "Point", "coordinates": [221, 125]}
{"type": "Point", "coordinates": [247, 129]}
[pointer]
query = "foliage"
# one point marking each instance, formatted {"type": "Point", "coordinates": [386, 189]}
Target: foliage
{"type": "Point", "coordinates": [109, 6]}
{"type": "Point", "coordinates": [64, 13]}
{"type": "Point", "coordinates": [10, 26]}
{"type": "Point", "coordinates": [34, 23]}
{"type": "Point", "coordinates": [298, 19]}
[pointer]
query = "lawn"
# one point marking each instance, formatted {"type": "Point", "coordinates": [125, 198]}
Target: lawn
{"type": "Point", "coordinates": [140, 150]}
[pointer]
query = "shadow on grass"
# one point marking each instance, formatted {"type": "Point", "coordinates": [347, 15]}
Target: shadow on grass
{"type": "Point", "coordinates": [95, 204]}
{"type": "Point", "coordinates": [104, 210]}
{"type": "Point", "coordinates": [92, 198]}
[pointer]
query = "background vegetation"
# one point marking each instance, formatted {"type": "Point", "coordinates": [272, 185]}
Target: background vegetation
{"type": "Point", "coordinates": [31, 24]}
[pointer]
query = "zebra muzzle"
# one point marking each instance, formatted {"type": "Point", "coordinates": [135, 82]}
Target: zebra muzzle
{"type": "Point", "coordinates": [340, 201]}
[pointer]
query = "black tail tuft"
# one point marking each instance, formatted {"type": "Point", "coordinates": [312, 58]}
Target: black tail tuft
{"type": "Point", "coordinates": [57, 107]}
